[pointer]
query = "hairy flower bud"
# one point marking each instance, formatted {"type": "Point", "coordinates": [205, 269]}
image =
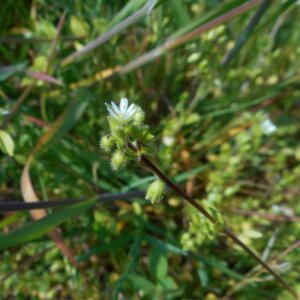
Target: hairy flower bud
{"type": "Point", "coordinates": [155, 191]}
{"type": "Point", "coordinates": [126, 122]}
{"type": "Point", "coordinates": [107, 142]}
{"type": "Point", "coordinates": [118, 160]}
{"type": "Point", "coordinates": [139, 116]}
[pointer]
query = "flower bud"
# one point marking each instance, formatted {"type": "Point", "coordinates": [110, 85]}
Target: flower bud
{"type": "Point", "coordinates": [139, 116]}
{"type": "Point", "coordinates": [155, 191]}
{"type": "Point", "coordinates": [118, 160]}
{"type": "Point", "coordinates": [107, 142]}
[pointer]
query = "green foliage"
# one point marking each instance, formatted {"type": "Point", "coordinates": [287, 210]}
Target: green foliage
{"type": "Point", "coordinates": [200, 229]}
{"type": "Point", "coordinates": [36, 229]}
{"type": "Point", "coordinates": [210, 128]}
{"type": "Point", "coordinates": [7, 144]}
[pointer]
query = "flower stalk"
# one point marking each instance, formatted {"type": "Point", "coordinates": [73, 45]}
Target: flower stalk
{"type": "Point", "coordinates": [146, 162]}
{"type": "Point", "coordinates": [131, 138]}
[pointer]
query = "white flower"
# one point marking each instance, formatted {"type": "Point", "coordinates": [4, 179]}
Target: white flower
{"type": "Point", "coordinates": [268, 127]}
{"type": "Point", "coordinates": [168, 140]}
{"type": "Point", "coordinates": [4, 111]}
{"type": "Point", "coordinates": [123, 112]}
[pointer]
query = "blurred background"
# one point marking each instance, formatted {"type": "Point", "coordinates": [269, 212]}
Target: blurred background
{"type": "Point", "coordinates": [219, 84]}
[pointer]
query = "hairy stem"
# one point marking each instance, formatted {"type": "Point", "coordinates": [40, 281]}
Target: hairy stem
{"type": "Point", "coordinates": [174, 187]}
{"type": "Point", "coordinates": [144, 161]}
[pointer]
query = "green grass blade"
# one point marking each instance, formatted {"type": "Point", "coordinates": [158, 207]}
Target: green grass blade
{"type": "Point", "coordinates": [207, 260]}
{"type": "Point", "coordinates": [182, 17]}
{"type": "Point", "coordinates": [128, 9]}
{"type": "Point", "coordinates": [132, 261]}
{"type": "Point", "coordinates": [112, 246]}
{"type": "Point", "coordinates": [243, 38]}
{"type": "Point", "coordinates": [38, 228]}
{"type": "Point", "coordinates": [219, 10]}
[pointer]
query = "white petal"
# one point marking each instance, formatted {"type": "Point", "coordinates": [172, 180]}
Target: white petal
{"type": "Point", "coordinates": [130, 108]}
{"type": "Point", "coordinates": [108, 107]}
{"type": "Point", "coordinates": [131, 113]}
{"type": "Point", "coordinates": [112, 113]}
{"type": "Point", "coordinates": [115, 107]}
{"type": "Point", "coordinates": [123, 104]}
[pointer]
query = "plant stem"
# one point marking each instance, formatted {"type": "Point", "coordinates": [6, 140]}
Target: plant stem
{"type": "Point", "coordinates": [146, 162]}
{"type": "Point", "coordinates": [174, 187]}
{"type": "Point", "coordinates": [247, 32]}
{"type": "Point", "coordinates": [17, 105]}
{"type": "Point", "coordinates": [105, 197]}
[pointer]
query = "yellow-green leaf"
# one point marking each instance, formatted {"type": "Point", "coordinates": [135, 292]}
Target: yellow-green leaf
{"type": "Point", "coordinates": [7, 144]}
{"type": "Point", "coordinates": [78, 26]}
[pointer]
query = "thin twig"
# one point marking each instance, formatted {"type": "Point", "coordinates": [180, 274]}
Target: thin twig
{"type": "Point", "coordinates": [34, 40]}
{"type": "Point", "coordinates": [289, 249]}
{"type": "Point", "coordinates": [173, 43]}
{"type": "Point", "coordinates": [28, 90]}
{"type": "Point", "coordinates": [268, 216]}
{"type": "Point", "coordinates": [264, 264]}
{"type": "Point", "coordinates": [270, 245]}
{"type": "Point", "coordinates": [107, 197]}
{"type": "Point", "coordinates": [51, 57]}
{"type": "Point", "coordinates": [249, 277]}
{"type": "Point", "coordinates": [55, 40]}
{"type": "Point", "coordinates": [109, 34]}
{"type": "Point", "coordinates": [17, 105]}
{"type": "Point", "coordinates": [174, 187]}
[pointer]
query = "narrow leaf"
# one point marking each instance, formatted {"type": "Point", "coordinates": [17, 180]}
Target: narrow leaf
{"type": "Point", "coordinates": [36, 229]}
{"type": "Point", "coordinates": [43, 77]}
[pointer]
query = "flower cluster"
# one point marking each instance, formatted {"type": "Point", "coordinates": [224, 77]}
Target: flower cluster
{"type": "Point", "coordinates": [126, 124]}
{"type": "Point", "coordinates": [129, 139]}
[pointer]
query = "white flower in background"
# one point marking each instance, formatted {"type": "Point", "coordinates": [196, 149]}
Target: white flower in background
{"type": "Point", "coordinates": [121, 112]}
{"type": "Point", "coordinates": [283, 209]}
{"type": "Point", "coordinates": [168, 140]}
{"type": "Point", "coordinates": [268, 127]}
{"type": "Point", "coordinates": [4, 111]}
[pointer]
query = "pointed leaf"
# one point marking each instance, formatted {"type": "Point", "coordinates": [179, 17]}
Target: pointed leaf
{"type": "Point", "coordinates": [7, 144]}
{"type": "Point", "coordinates": [36, 229]}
